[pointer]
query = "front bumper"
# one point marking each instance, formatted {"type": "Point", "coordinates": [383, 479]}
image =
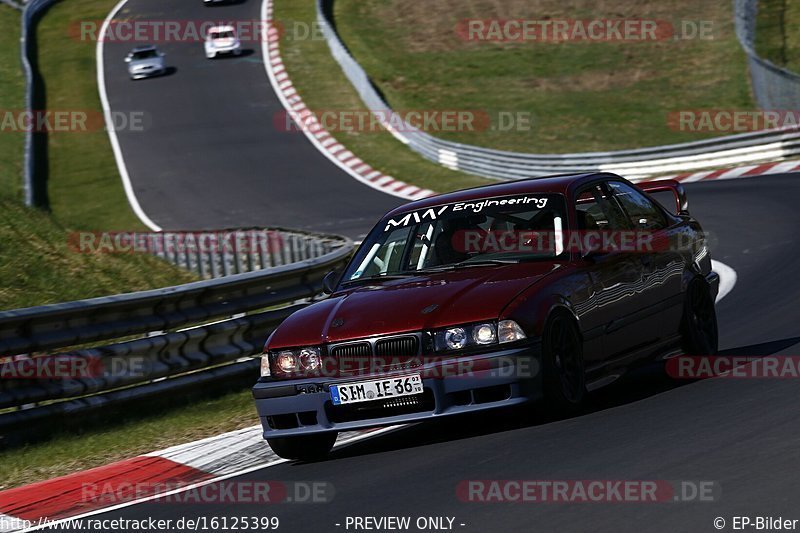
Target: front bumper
{"type": "Point", "coordinates": [218, 50]}
{"type": "Point", "coordinates": [141, 74]}
{"type": "Point", "coordinates": [453, 386]}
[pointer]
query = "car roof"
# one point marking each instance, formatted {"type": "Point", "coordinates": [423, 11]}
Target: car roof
{"type": "Point", "coordinates": [560, 184]}
{"type": "Point", "coordinates": [220, 28]}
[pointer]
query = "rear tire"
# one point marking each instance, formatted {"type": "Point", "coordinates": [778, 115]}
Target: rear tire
{"type": "Point", "coordinates": [564, 377]}
{"type": "Point", "coordinates": [303, 448]}
{"type": "Point", "coordinates": [699, 325]}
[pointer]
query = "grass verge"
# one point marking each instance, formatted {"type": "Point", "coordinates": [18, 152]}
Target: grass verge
{"type": "Point", "coordinates": [126, 438]}
{"type": "Point", "coordinates": [12, 97]}
{"type": "Point", "coordinates": [777, 38]}
{"type": "Point", "coordinates": [323, 86]}
{"type": "Point", "coordinates": [37, 265]}
{"type": "Point", "coordinates": [581, 95]}
{"type": "Point", "coordinates": [83, 182]}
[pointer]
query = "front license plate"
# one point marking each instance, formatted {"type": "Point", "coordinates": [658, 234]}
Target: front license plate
{"type": "Point", "coordinates": [378, 389]}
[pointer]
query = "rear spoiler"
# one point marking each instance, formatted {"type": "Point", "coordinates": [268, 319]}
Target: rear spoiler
{"type": "Point", "coordinates": [681, 202]}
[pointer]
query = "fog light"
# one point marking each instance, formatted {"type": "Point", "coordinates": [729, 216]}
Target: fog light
{"type": "Point", "coordinates": [484, 334]}
{"type": "Point", "coordinates": [455, 338]}
{"type": "Point", "coordinates": [509, 331]}
{"type": "Point", "coordinates": [287, 362]}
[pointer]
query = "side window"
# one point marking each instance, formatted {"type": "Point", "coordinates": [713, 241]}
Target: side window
{"type": "Point", "coordinates": [639, 208]}
{"type": "Point", "coordinates": [596, 211]}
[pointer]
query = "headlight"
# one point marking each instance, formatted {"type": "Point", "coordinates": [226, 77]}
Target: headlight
{"type": "Point", "coordinates": [484, 334]}
{"type": "Point", "coordinates": [310, 359]}
{"type": "Point", "coordinates": [287, 361]}
{"type": "Point", "coordinates": [294, 361]}
{"type": "Point", "coordinates": [509, 331]}
{"type": "Point", "coordinates": [462, 337]}
{"type": "Point", "coordinates": [477, 335]}
{"type": "Point", "coordinates": [455, 338]}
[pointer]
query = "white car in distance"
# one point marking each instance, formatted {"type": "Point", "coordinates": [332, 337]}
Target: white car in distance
{"type": "Point", "coordinates": [222, 40]}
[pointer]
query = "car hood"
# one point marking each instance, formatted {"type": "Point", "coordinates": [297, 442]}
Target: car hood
{"type": "Point", "coordinates": [410, 304]}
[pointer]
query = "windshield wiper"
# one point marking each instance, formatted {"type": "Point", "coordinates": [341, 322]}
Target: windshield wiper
{"type": "Point", "coordinates": [468, 264]}
{"type": "Point", "coordinates": [379, 277]}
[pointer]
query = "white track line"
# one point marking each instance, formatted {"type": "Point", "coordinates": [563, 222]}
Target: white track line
{"type": "Point", "coordinates": [727, 278]}
{"type": "Point", "coordinates": [267, 16]}
{"type": "Point", "coordinates": [112, 134]}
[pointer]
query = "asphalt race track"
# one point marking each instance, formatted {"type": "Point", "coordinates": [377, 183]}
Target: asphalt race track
{"type": "Point", "coordinates": [219, 162]}
{"type": "Point", "coordinates": [211, 156]}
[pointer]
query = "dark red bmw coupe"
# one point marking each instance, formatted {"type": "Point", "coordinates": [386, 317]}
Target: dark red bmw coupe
{"type": "Point", "coordinates": [488, 297]}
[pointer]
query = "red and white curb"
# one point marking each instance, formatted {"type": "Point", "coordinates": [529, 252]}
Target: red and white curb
{"type": "Point", "coordinates": [310, 125]}
{"type": "Point", "coordinates": [731, 173]}
{"type": "Point", "coordinates": [144, 478]}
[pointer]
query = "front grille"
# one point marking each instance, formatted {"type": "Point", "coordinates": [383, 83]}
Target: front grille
{"type": "Point", "coordinates": [397, 347]}
{"type": "Point", "coordinates": [382, 354]}
{"type": "Point", "coordinates": [359, 350]}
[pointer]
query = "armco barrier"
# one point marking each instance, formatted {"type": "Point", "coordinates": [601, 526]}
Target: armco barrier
{"type": "Point", "coordinates": [213, 254]}
{"type": "Point", "coordinates": [35, 143]}
{"type": "Point", "coordinates": [774, 87]}
{"type": "Point", "coordinates": [498, 164]}
{"type": "Point", "coordinates": [175, 339]}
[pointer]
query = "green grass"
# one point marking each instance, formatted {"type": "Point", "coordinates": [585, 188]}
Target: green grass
{"type": "Point", "coordinates": [12, 97]}
{"type": "Point", "coordinates": [583, 96]}
{"type": "Point", "coordinates": [84, 185]}
{"type": "Point", "coordinates": [37, 265]}
{"type": "Point", "coordinates": [323, 86]}
{"type": "Point", "coordinates": [777, 38]}
{"type": "Point", "coordinates": [65, 454]}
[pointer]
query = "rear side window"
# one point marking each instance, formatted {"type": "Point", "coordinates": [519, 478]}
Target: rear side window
{"type": "Point", "coordinates": [643, 213]}
{"type": "Point", "coordinates": [596, 211]}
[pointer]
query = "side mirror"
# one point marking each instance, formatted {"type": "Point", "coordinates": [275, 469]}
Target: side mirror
{"type": "Point", "coordinates": [329, 282]}
{"type": "Point", "coordinates": [161, 54]}
{"type": "Point", "coordinates": [127, 59]}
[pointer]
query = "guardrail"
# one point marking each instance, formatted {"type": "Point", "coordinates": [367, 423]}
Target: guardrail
{"type": "Point", "coordinates": [35, 187]}
{"type": "Point", "coordinates": [774, 87]}
{"type": "Point", "coordinates": [13, 4]}
{"type": "Point", "coordinates": [504, 165]}
{"type": "Point", "coordinates": [169, 341]}
{"type": "Point", "coordinates": [212, 254]}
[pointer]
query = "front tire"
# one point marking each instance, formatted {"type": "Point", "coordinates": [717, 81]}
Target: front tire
{"type": "Point", "coordinates": [303, 448]}
{"type": "Point", "coordinates": [699, 325]}
{"type": "Point", "coordinates": [564, 379]}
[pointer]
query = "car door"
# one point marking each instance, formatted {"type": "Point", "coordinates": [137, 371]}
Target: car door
{"type": "Point", "coordinates": [617, 277]}
{"type": "Point", "coordinates": [663, 265]}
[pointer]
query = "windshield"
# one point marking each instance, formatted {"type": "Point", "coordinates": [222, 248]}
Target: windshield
{"type": "Point", "coordinates": [462, 235]}
{"type": "Point", "coordinates": [144, 54]}
{"type": "Point", "coordinates": [222, 35]}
